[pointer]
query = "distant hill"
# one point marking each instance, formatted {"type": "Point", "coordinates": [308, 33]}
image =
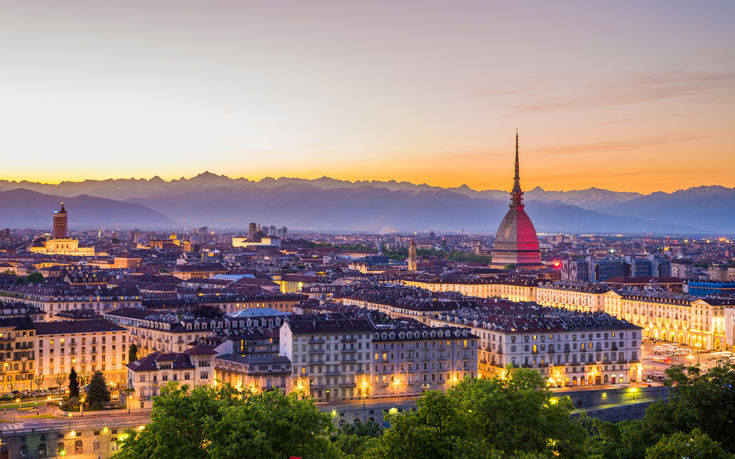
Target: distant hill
{"type": "Point", "coordinates": [330, 204]}
{"type": "Point", "coordinates": [29, 209]}
{"type": "Point", "coordinates": [710, 208]}
{"type": "Point", "coordinates": [370, 208]}
{"type": "Point", "coordinates": [592, 198]}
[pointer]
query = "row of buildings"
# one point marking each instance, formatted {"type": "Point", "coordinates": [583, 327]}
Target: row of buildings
{"type": "Point", "coordinates": [705, 323]}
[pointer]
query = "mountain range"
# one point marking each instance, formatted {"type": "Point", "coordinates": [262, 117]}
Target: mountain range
{"type": "Point", "coordinates": [328, 204]}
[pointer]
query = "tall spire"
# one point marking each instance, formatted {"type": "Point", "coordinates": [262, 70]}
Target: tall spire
{"type": "Point", "coordinates": [517, 177]}
{"type": "Point", "coordinates": [516, 195]}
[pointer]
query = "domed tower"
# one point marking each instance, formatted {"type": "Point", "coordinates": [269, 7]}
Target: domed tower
{"type": "Point", "coordinates": [516, 242]}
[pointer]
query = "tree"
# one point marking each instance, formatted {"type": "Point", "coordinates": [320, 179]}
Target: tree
{"type": "Point", "coordinates": [621, 440]}
{"type": "Point", "coordinates": [691, 445]}
{"type": "Point", "coordinates": [38, 380]}
{"type": "Point", "coordinates": [354, 440]}
{"type": "Point", "coordinates": [222, 422]}
{"type": "Point", "coordinates": [271, 424]}
{"type": "Point", "coordinates": [34, 278]}
{"type": "Point", "coordinates": [509, 416]}
{"type": "Point", "coordinates": [97, 391]}
{"type": "Point", "coordinates": [132, 352]}
{"type": "Point", "coordinates": [698, 400]}
{"type": "Point", "coordinates": [73, 384]}
{"type": "Point", "coordinates": [59, 378]}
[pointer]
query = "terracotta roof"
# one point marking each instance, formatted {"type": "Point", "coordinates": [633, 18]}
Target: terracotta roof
{"type": "Point", "coordinates": [76, 326]}
{"type": "Point", "coordinates": [150, 362]}
{"type": "Point", "coordinates": [200, 349]}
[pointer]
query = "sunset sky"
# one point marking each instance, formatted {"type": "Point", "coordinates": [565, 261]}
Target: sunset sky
{"type": "Point", "coordinates": [635, 96]}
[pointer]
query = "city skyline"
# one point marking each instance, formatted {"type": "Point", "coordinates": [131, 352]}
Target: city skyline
{"type": "Point", "coordinates": [367, 230]}
{"type": "Point", "coordinates": [625, 97]}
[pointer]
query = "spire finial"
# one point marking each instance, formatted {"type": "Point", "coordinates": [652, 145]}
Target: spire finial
{"type": "Point", "coordinates": [517, 176]}
{"type": "Point", "coordinates": [516, 195]}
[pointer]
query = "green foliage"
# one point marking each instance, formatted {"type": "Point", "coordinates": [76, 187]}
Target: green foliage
{"type": "Point", "coordinates": [132, 352]}
{"type": "Point", "coordinates": [98, 392]}
{"type": "Point", "coordinates": [691, 445]}
{"type": "Point", "coordinates": [621, 440]}
{"type": "Point", "coordinates": [225, 423]}
{"type": "Point", "coordinates": [503, 417]}
{"type": "Point", "coordinates": [698, 400]}
{"type": "Point", "coordinates": [34, 278]}
{"type": "Point", "coordinates": [354, 440]}
{"type": "Point", "coordinates": [401, 253]}
{"type": "Point", "coordinates": [73, 384]}
{"type": "Point", "coordinates": [397, 254]}
{"type": "Point", "coordinates": [515, 416]}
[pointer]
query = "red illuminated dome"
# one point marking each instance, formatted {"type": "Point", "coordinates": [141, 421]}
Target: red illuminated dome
{"type": "Point", "coordinates": [516, 242]}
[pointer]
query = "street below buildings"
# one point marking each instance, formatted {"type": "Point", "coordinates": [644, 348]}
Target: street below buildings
{"type": "Point", "coordinates": [659, 355]}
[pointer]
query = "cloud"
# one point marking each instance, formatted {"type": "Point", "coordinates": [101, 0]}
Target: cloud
{"type": "Point", "coordinates": [623, 90]}
{"type": "Point", "coordinates": [306, 148]}
{"type": "Point", "coordinates": [613, 145]}
{"type": "Point", "coordinates": [605, 146]}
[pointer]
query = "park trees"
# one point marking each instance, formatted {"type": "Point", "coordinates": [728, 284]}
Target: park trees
{"type": "Point", "coordinates": [132, 352]}
{"type": "Point", "coordinates": [97, 392]}
{"type": "Point", "coordinates": [223, 422]}
{"type": "Point", "coordinates": [698, 409]}
{"type": "Point", "coordinates": [691, 445]}
{"type": "Point", "coordinates": [504, 416]}
{"type": "Point", "coordinates": [73, 384]}
{"type": "Point", "coordinates": [698, 400]}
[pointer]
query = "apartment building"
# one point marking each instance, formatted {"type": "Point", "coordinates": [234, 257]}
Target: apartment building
{"type": "Point", "coordinates": [683, 319]}
{"type": "Point", "coordinates": [514, 289]}
{"type": "Point", "coordinates": [229, 304]}
{"type": "Point", "coordinates": [329, 354]}
{"type": "Point", "coordinates": [575, 296]}
{"type": "Point", "coordinates": [62, 297]}
{"type": "Point", "coordinates": [85, 345]}
{"type": "Point", "coordinates": [194, 367]}
{"type": "Point", "coordinates": [168, 332]}
{"type": "Point", "coordinates": [254, 372]}
{"type": "Point", "coordinates": [402, 302]}
{"type": "Point", "coordinates": [567, 348]}
{"type": "Point", "coordinates": [17, 355]}
{"type": "Point", "coordinates": [409, 357]}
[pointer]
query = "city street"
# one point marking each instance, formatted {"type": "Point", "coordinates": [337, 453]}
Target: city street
{"type": "Point", "coordinates": [658, 356]}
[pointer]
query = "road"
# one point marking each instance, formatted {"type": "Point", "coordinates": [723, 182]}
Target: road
{"type": "Point", "coordinates": [664, 350]}
{"type": "Point", "coordinates": [90, 420]}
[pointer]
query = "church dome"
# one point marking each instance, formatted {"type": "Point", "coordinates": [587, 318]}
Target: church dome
{"type": "Point", "coordinates": [516, 241]}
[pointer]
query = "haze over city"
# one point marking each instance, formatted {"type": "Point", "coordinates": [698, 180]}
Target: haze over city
{"type": "Point", "coordinates": [627, 96]}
